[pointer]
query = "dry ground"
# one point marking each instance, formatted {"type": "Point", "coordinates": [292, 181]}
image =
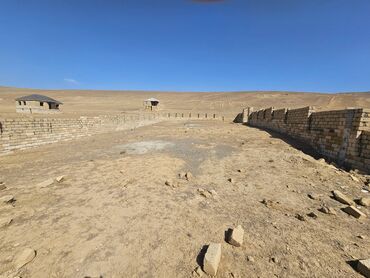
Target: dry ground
{"type": "Point", "coordinates": [114, 216]}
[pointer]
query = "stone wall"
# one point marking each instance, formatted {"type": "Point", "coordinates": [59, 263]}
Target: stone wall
{"type": "Point", "coordinates": [342, 136]}
{"type": "Point", "coordinates": [27, 132]}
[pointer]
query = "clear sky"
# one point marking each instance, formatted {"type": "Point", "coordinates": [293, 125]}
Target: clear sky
{"type": "Point", "coordinates": [184, 45]}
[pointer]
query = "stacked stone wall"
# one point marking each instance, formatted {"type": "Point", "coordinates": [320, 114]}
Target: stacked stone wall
{"type": "Point", "coordinates": [340, 135]}
{"type": "Point", "coordinates": [27, 132]}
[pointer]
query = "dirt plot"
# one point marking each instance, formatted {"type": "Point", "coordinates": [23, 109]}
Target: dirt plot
{"type": "Point", "coordinates": [112, 215]}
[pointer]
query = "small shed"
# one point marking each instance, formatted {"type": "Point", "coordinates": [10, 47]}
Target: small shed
{"type": "Point", "coordinates": [151, 104]}
{"type": "Point", "coordinates": [37, 104]}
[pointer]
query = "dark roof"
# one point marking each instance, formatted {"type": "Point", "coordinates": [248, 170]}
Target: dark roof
{"type": "Point", "coordinates": [40, 98]}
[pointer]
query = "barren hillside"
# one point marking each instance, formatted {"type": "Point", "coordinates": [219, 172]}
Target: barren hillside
{"type": "Point", "coordinates": [81, 102]}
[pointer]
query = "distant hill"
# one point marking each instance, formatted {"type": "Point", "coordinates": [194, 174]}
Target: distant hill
{"type": "Point", "coordinates": [91, 102]}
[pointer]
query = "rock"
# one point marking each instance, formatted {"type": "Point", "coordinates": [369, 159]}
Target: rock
{"type": "Point", "coordinates": [60, 178]}
{"type": "Point", "coordinates": [26, 256]}
{"type": "Point", "coordinates": [213, 193]}
{"type": "Point", "coordinates": [354, 178]}
{"type": "Point", "coordinates": [236, 236]}
{"type": "Point", "coordinates": [2, 186]}
{"type": "Point", "coordinates": [314, 196]}
{"type": "Point", "coordinates": [250, 259]}
{"type": "Point", "coordinates": [212, 259]}
{"type": "Point", "coordinates": [7, 199]}
{"type": "Point", "coordinates": [365, 202]}
{"type": "Point", "coordinates": [182, 175]}
{"type": "Point", "coordinates": [230, 180]}
{"type": "Point", "coordinates": [327, 210]}
{"type": "Point", "coordinates": [351, 210]}
{"type": "Point", "coordinates": [188, 176]}
{"type": "Point", "coordinates": [361, 236]}
{"type": "Point", "coordinates": [312, 215]}
{"type": "Point", "coordinates": [239, 170]}
{"type": "Point", "coordinates": [300, 217]}
{"type": "Point", "coordinates": [45, 183]}
{"type": "Point", "coordinates": [5, 222]}
{"type": "Point", "coordinates": [339, 196]}
{"type": "Point", "coordinates": [363, 266]}
{"type": "Point", "coordinates": [204, 193]}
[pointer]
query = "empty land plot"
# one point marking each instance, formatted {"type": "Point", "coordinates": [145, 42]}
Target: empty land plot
{"type": "Point", "coordinates": [122, 210]}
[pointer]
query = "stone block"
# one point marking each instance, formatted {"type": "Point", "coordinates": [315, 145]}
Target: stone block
{"type": "Point", "coordinates": [212, 259]}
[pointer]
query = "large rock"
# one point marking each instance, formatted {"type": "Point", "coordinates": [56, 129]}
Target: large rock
{"type": "Point", "coordinates": [351, 210]}
{"type": "Point", "coordinates": [212, 259]}
{"type": "Point", "coordinates": [26, 256]}
{"type": "Point", "coordinates": [236, 236]}
{"type": "Point", "coordinates": [365, 202]}
{"type": "Point", "coordinates": [363, 266]}
{"type": "Point", "coordinates": [339, 196]}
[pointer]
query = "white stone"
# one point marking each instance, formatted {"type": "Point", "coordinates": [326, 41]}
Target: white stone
{"type": "Point", "coordinates": [60, 178]}
{"type": "Point", "coordinates": [212, 259]}
{"type": "Point", "coordinates": [26, 256]}
{"type": "Point", "coordinates": [236, 237]}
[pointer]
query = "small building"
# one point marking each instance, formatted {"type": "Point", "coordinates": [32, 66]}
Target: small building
{"type": "Point", "coordinates": [37, 104]}
{"type": "Point", "coordinates": [151, 104]}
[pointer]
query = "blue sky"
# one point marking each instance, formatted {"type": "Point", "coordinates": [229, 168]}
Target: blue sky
{"type": "Point", "coordinates": [184, 45]}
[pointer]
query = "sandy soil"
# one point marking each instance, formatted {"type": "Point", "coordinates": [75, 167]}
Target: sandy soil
{"type": "Point", "coordinates": [91, 103]}
{"type": "Point", "coordinates": [113, 215]}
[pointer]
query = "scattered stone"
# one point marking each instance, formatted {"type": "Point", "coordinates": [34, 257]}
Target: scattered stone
{"type": "Point", "coordinates": [351, 210]}
{"type": "Point", "coordinates": [314, 196]}
{"type": "Point", "coordinates": [26, 256]}
{"type": "Point", "coordinates": [312, 215]}
{"type": "Point", "coordinates": [60, 178]}
{"type": "Point", "coordinates": [212, 259]}
{"type": "Point", "coordinates": [213, 192]}
{"type": "Point", "coordinates": [327, 210]}
{"type": "Point", "coordinates": [7, 199]}
{"type": "Point", "coordinates": [250, 259]}
{"type": "Point", "coordinates": [45, 183]}
{"type": "Point", "coordinates": [300, 217]}
{"type": "Point", "coordinates": [361, 236]}
{"type": "Point", "coordinates": [363, 266]}
{"type": "Point", "coordinates": [340, 197]}
{"type": "Point", "coordinates": [274, 260]}
{"type": "Point", "coordinates": [230, 180]}
{"type": "Point", "coordinates": [239, 170]}
{"type": "Point", "coordinates": [365, 202]}
{"type": "Point", "coordinates": [5, 222]}
{"type": "Point", "coordinates": [188, 176]}
{"type": "Point", "coordinates": [182, 175]}
{"type": "Point", "coordinates": [236, 236]}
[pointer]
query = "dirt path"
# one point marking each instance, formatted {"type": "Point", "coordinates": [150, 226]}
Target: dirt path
{"type": "Point", "coordinates": [113, 215]}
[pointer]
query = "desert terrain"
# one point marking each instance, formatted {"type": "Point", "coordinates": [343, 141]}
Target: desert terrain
{"type": "Point", "coordinates": [91, 103]}
{"type": "Point", "coordinates": [146, 202]}
{"type": "Point", "coordinates": [123, 210]}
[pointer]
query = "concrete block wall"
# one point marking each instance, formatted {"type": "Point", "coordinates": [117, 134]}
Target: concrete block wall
{"type": "Point", "coordinates": [341, 135]}
{"type": "Point", "coordinates": [28, 132]}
